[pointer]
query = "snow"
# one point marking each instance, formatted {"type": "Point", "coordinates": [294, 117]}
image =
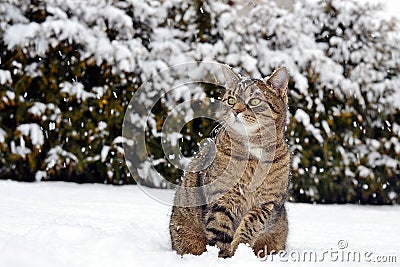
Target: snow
{"type": "Point", "coordinates": [10, 95]}
{"type": "Point", "coordinates": [40, 175]}
{"type": "Point", "coordinates": [76, 89]}
{"type": "Point", "coordinates": [21, 150]}
{"type": "Point", "coordinates": [63, 224]}
{"type": "Point", "coordinates": [104, 153]}
{"type": "Point", "coordinates": [52, 126]}
{"type": "Point", "coordinates": [3, 136]}
{"type": "Point", "coordinates": [392, 7]}
{"type": "Point", "coordinates": [34, 132]}
{"type": "Point", "coordinates": [37, 109]}
{"type": "Point", "coordinates": [59, 155]}
{"type": "Point", "coordinates": [147, 171]}
{"type": "Point", "coordinates": [304, 118]}
{"type": "Point", "coordinates": [5, 76]}
{"type": "Point", "coordinates": [364, 171]}
{"type": "Point", "coordinates": [19, 33]}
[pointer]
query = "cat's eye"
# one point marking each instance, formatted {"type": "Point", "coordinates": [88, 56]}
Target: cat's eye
{"type": "Point", "coordinates": [254, 102]}
{"type": "Point", "coordinates": [231, 100]}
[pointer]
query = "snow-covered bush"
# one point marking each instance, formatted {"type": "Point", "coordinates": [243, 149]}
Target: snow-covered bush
{"type": "Point", "coordinates": [69, 68]}
{"type": "Point", "coordinates": [68, 72]}
{"type": "Point", "coordinates": [345, 128]}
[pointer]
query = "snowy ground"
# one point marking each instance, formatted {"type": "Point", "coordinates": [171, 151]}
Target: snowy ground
{"type": "Point", "coordinates": [64, 224]}
{"type": "Point", "coordinates": [392, 7]}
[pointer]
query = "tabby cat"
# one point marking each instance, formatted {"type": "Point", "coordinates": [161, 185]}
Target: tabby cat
{"type": "Point", "coordinates": [239, 197]}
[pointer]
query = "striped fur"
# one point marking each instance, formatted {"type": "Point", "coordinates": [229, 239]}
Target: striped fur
{"type": "Point", "coordinates": [235, 211]}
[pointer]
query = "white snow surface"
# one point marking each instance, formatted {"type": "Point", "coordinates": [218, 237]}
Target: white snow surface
{"type": "Point", "coordinates": [64, 224]}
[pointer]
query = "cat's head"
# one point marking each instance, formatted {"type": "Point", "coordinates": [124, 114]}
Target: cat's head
{"type": "Point", "coordinates": [251, 105]}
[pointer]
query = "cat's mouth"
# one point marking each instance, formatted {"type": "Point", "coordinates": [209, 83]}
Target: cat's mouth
{"type": "Point", "coordinates": [242, 126]}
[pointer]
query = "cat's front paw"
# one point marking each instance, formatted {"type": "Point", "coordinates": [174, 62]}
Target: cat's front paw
{"type": "Point", "coordinates": [225, 253]}
{"type": "Point", "coordinates": [234, 246]}
{"type": "Point", "coordinates": [224, 250]}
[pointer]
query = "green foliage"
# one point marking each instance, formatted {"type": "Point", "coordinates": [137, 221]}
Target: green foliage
{"type": "Point", "coordinates": [357, 160]}
{"type": "Point", "coordinates": [85, 127]}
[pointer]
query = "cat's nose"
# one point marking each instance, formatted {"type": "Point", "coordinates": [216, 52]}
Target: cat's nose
{"type": "Point", "coordinates": [236, 111]}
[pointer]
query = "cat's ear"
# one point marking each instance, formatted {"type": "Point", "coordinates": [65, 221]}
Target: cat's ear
{"type": "Point", "coordinates": [279, 81]}
{"type": "Point", "coordinates": [231, 78]}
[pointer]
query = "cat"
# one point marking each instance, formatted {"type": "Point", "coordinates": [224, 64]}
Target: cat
{"type": "Point", "coordinates": [240, 196]}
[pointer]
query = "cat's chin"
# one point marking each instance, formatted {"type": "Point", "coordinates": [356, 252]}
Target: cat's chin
{"type": "Point", "coordinates": [242, 128]}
